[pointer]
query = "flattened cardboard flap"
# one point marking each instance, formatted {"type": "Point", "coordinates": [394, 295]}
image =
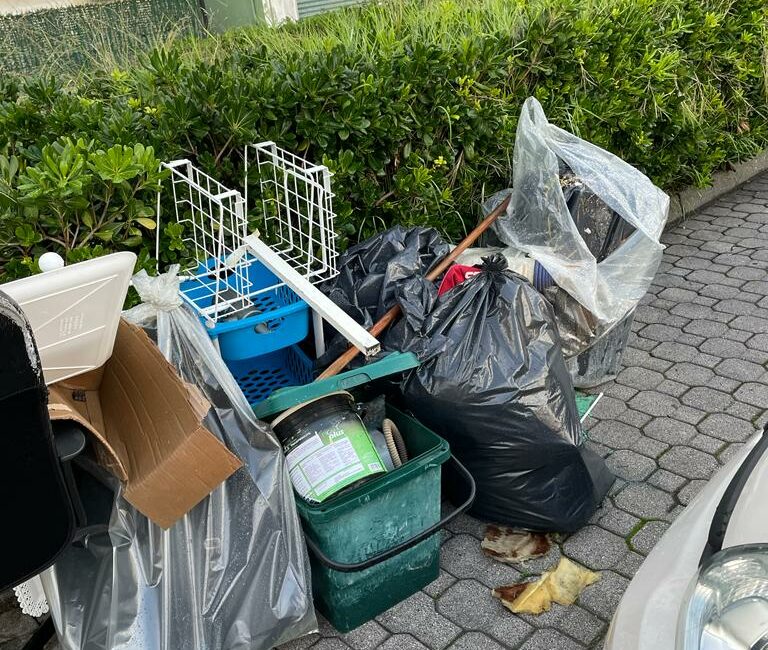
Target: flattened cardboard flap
{"type": "Point", "coordinates": [148, 426]}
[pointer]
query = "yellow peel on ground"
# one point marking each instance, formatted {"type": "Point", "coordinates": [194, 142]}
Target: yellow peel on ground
{"type": "Point", "coordinates": [563, 586]}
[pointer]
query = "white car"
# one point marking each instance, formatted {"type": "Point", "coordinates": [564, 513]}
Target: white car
{"type": "Point", "coordinates": [705, 584]}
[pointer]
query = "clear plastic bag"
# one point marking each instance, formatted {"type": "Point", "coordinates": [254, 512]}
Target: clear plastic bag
{"type": "Point", "coordinates": [233, 572]}
{"type": "Point", "coordinates": [538, 221]}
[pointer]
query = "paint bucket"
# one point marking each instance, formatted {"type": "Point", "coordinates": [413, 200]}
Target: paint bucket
{"type": "Point", "coordinates": [327, 446]}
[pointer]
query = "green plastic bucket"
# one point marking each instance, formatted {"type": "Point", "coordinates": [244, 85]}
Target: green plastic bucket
{"type": "Point", "coordinates": [376, 544]}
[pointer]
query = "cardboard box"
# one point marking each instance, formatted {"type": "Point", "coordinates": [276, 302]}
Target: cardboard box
{"type": "Point", "coordinates": [146, 427]}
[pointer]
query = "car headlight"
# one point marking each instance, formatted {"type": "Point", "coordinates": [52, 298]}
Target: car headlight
{"type": "Point", "coordinates": [726, 607]}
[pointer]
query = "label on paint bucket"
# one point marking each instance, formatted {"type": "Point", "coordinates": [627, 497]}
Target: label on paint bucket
{"type": "Point", "coordinates": [325, 462]}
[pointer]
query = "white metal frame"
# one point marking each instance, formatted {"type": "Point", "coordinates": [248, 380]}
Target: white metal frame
{"type": "Point", "coordinates": [297, 244]}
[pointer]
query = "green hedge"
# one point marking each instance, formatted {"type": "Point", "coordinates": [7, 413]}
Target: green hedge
{"type": "Point", "coordinates": [413, 105]}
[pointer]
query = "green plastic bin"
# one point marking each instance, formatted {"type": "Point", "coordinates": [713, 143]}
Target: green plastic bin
{"type": "Point", "coordinates": [375, 545]}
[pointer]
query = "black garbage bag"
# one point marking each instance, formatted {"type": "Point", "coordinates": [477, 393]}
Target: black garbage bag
{"type": "Point", "coordinates": [493, 382]}
{"type": "Point", "coordinates": [372, 273]}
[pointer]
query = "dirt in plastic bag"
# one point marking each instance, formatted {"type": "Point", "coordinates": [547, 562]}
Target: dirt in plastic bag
{"type": "Point", "coordinates": [493, 383]}
{"type": "Point", "coordinates": [513, 546]}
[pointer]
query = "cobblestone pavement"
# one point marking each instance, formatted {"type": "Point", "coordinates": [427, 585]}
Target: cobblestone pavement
{"type": "Point", "coordinates": [693, 389]}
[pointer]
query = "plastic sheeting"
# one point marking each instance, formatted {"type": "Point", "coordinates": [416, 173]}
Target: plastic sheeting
{"type": "Point", "coordinates": [493, 382]}
{"type": "Point", "coordinates": [233, 572]}
{"type": "Point", "coordinates": [539, 222]}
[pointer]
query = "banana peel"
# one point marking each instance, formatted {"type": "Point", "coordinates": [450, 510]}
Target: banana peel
{"type": "Point", "coordinates": [563, 586]}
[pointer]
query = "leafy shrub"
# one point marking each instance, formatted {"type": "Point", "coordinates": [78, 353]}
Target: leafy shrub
{"type": "Point", "coordinates": [413, 105]}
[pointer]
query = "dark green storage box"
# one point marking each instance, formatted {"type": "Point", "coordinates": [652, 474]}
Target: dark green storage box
{"type": "Point", "coordinates": [375, 545]}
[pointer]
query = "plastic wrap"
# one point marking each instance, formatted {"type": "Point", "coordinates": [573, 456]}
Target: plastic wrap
{"type": "Point", "coordinates": [233, 572]}
{"type": "Point", "coordinates": [607, 282]}
{"type": "Point", "coordinates": [493, 382]}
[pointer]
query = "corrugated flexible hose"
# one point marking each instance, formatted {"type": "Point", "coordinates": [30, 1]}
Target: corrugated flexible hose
{"type": "Point", "coordinates": [395, 443]}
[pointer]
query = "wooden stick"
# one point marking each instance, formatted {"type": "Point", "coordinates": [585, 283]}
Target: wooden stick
{"type": "Point", "coordinates": [387, 319]}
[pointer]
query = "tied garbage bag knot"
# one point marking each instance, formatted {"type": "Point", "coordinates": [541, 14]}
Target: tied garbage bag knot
{"type": "Point", "coordinates": [495, 265]}
{"type": "Point", "coordinates": [159, 293]}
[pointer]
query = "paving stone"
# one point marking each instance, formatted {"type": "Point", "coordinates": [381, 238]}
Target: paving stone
{"type": "Point", "coordinates": [708, 277]}
{"type": "Point", "coordinates": [649, 315]}
{"type": "Point", "coordinates": [723, 348]}
{"type": "Point", "coordinates": [616, 521]}
{"type": "Point", "coordinates": [368, 636]}
{"type": "Point", "coordinates": [704, 300]}
{"type": "Point", "coordinates": [469, 525]}
{"type": "Point", "coordinates": [608, 407]}
{"type": "Point", "coordinates": [726, 427]}
{"type": "Point", "coordinates": [630, 465]}
{"type": "Point", "coordinates": [706, 328]}
{"type": "Point", "coordinates": [689, 415]}
{"type": "Point", "coordinates": [600, 449]}
{"type": "Point", "coordinates": [462, 557]}
{"type": "Point", "coordinates": [693, 311]}
{"type": "Point", "coordinates": [475, 641]}
{"type": "Point", "coordinates": [417, 616]}
{"type": "Point", "coordinates": [629, 564]}
{"type": "Point", "coordinates": [687, 493]}
{"type": "Point", "coordinates": [759, 287]}
{"type": "Point", "coordinates": [614, 434]}
{"type": "Point", "coordinates": [758, 342]}
{"type": "Point", "coordinates": [334, 643]}
{"type": "Point", "coordinates": [669, 430]}
{"type": "Point", "coordinates": [676, 294]}
{"type": "Point", "coordinates": [735, 307]}
{"type": "Point", "coordinates": [621, 393]}
{"type": "Point", "coordinates": [738, 335]}
{"type": "Point", "coordinates": [573, 621]}
{"type": "Point", "coordinates": [688, 462]}
{"type": "Point", "coordinates": [402, 642]}
{"type": "Point", "coordinates": [644, 501]}
{"type": "Point", "coordinates": [754, 394]}
{"type": "Point", "coordinates": [673, 388]}
{"type": "Point", "coordinates": [706, 360]}
{"type": "Point", "coordinates": [595, 548]}
{"type": "Point", "coordinates": [743, 271]}
{"type": "Point", "coordinates": [740, 370]}
{"type": "Point", "coordinates": [690, 374]}
{"type": "Point", "coordinates": [720, 291]}
{"type": "Point", "coordinates": [437, 587]}
{"type": "Point", "coordinates": [730, 451]}
{"type": "Point", "coordinates": [744, 411]}
{"type": "Point", "coordinates": [640, 378]}
{"type": "Point", "coordinates": [656, 404]}
{"type": "Point", "coordinates": [750, 324]}
{"type": "Point", "coordinates": [677, 352]}
{"type": "Point", "coordinates": [548, 639]}
{"type": "Point", "coordinates": [603, 597]}
{"type": "Point", "coordinates": [649, 447]}
{"type": "Point", "coordinates": [706, 399]}
{"type": "Point", "coordinates": [666, 480]}
{"type": "Point", "coordinates": [646, 538]}
{"type": "Point", "coordinates": [660, 333]}
{"type": "Point", "coordinates": [634, 418]}
{"type": "Point", "coordinates": [706, 444]}
{"type": "Point", "coordinates": [470, 606]}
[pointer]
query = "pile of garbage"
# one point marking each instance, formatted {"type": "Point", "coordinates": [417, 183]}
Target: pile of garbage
{"type": "Point", "coordinates": [511, 329]}
{"type": "Point", "coordinates": [208, 489]}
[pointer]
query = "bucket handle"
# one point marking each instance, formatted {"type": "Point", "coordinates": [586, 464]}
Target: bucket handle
{"type": "Point", "coordinates": [402, 546]}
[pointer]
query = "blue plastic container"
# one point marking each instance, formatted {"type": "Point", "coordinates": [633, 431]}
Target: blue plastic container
{"type": "Point", "coordinates": [259, 377]}
{"type": "Point", "coordinates": [282, 319]}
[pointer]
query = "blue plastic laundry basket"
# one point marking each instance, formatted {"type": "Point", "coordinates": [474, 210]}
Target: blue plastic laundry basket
{"type": "Point", "coordinates": [259, 377]}
{"type": "Point", "coordinates": [282, 318]}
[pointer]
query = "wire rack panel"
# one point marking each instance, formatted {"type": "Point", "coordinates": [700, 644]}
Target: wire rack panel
{"type": "Point", "coordinates": [292, 204]}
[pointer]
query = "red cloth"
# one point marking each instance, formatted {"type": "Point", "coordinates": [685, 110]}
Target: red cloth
{"type": "Point", "coordinates": [456, 275]}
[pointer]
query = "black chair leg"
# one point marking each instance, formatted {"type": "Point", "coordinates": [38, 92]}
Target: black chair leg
{"type": "Point", "coordinates": [42, 635]}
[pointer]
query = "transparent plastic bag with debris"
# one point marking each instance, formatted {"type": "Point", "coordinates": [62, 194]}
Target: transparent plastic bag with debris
{"type": "Point", "coordinates": [591, 222]}
{"type": "Point", "coordinates": [233, 572]}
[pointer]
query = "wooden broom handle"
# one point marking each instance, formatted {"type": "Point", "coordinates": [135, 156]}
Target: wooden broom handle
{"type": "Point", "coordinates": [387, 319]}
